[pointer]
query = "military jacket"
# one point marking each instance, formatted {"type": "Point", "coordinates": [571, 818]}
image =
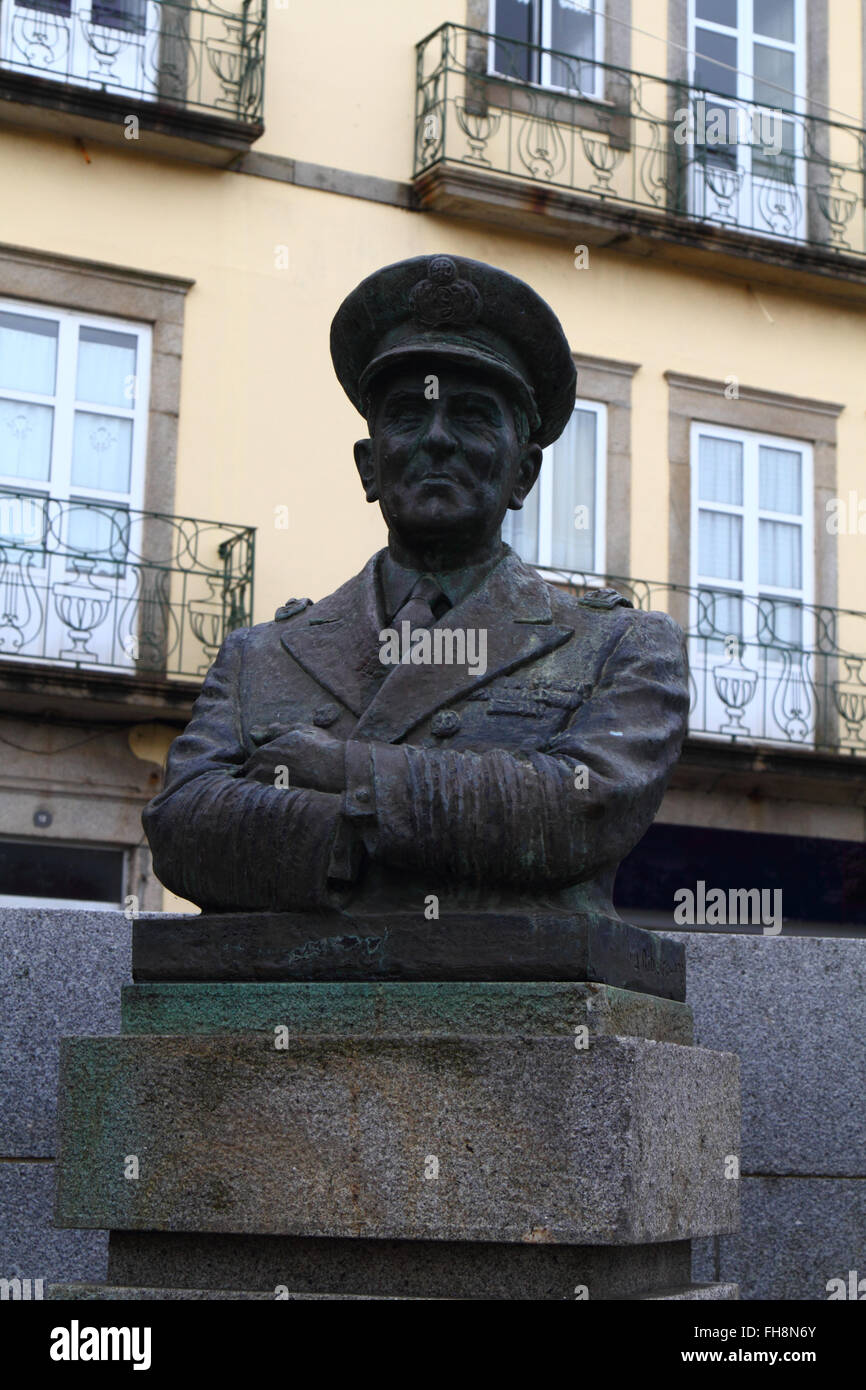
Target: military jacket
{"type": "Point", "coordinates": [524, 785]}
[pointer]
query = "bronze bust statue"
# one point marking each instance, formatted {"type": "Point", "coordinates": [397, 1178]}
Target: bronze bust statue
{"type": "Point", "coordinates": [446, 724]}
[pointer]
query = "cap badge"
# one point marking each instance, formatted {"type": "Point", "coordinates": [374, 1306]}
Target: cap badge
{"type": "Point", "coordinates": [442, 298]}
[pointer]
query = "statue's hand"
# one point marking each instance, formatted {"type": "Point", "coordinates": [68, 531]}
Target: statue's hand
{"type": "Point", "coordinates": [314, 758]}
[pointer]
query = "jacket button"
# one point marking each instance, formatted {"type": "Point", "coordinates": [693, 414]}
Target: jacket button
{"type": "Point", "coordinates": [445, 722]}
{"type": "Point", "coordinates": [326, 715]}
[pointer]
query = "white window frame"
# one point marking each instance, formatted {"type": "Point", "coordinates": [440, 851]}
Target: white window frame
{"type": "Point", "coordinates": [50, 556]}
{"type": "Point", "coordinates": [58, 486]}
{"type": "Point", "coordinates": [749, 587]}
{"type": "Point", "coordinates": [545, 498]}
{"type": "Point", "coordinates": [543, 41]}
{"type": "Point", "coordinates": [746, 37]}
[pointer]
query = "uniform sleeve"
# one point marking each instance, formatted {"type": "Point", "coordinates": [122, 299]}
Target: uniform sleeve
{"type": "Point", "coordinates": [227, 842]}
{"type": "Point", "coordinates": [554, 817]}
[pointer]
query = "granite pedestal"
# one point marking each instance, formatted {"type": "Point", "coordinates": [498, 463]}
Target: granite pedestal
{"type": "Point", "coordinates": [399, 1137]}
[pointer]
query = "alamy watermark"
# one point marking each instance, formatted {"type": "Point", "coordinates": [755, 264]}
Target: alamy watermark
{"type": "Point", "coordinates": [438, 646]}
{"type": "Point", "coordinates": [709, 125]}
{"type": "Point", "coordinates": [16, 1289]}
{"type": "Point", "coordinates": [852, 1288]}
{"type": "Point", "coordinates": [713, 907]}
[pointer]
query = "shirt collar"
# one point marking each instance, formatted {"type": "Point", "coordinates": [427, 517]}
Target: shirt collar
{"type": "Point", "coordinates": [398, 582]}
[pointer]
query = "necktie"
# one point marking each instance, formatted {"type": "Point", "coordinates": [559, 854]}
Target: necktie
{"type": "Point", "coordinates": [423, 606]}
{"type": "Point", "coordinates": [425, 603]}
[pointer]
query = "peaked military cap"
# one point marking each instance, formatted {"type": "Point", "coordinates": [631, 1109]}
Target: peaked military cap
{"type": "Point", "coordinates": [467, 312]}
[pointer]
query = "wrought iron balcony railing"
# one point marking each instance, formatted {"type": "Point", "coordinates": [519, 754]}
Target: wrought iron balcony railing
{"type": "Point", "coordinates": [198, 56]}
{"type": "Point", "coordinates": [100, 587]}
{"type": "Point", "coordinates": [788, 674]}
{"type": "Point", "coordinates": [637, 142]}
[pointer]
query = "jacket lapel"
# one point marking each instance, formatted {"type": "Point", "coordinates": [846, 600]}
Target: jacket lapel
{"type": "Point", "coordinates": [513, 607]}
{"type": "Point", "coordinates": [338, 637]}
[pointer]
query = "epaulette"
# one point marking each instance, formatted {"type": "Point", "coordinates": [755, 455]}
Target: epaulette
{"type": "Point", "coordinates": [604, 598]}
{"type": "Point", "coordinates": [291, 607]}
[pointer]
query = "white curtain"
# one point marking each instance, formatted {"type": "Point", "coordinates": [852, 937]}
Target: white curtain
{"type": "Point", "coordinates": [28, 353]}
{"type": "Point", "coordinates": [720, 615]}
{"type": "Point", "coordinates": [28, 362]}
{"type": "Point", "coordinates": [780, 551]}
{"type": "Point", "coordinates": [720, 545]}
{"type": "Point", "coordinates": [781, 623]}
{"type": "Point", "coordinates": [779, 480]}
{"type": "Point", "coordinates": [106, 367]}
{"type": "Point", "coordinates": [101, 452]}
{"type": "Point", "coordinates": [574, 500]}
{"type": "Point", "coordinates": [520, 529]}
{"type": "Point", "coordinates": [25, 439]}
{"type": "Point", "coordinates": [102, 444]}
{"type": "Point", "coordinates": [720, 470]}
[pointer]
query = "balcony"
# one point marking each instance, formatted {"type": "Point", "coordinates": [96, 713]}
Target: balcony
{"type": "Point", "coordinates": [642, 162]}
{"type": "Point", "coordinates": [123, 608]}
{"type": "Point", "coordinates": [795, 682]}
{"type": "Point", "coordinates": [183, 79]}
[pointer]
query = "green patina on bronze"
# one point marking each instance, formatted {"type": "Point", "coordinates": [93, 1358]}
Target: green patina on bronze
{"type": "Point", "coordinates": [379, 1009]}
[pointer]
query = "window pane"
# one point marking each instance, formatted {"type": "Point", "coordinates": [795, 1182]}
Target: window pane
{"type": "Point", "coordinates": [774, 76]}
{"type": "Point", "coordinates": [573, 461]}
{"type": "Point", "coordinates": [520, 529]}
{"type": "Point", "coordinates": [720, 615]}
{"type": "Point", "coordinates": [101, 452]}
{"type": "Point", "coordinates": [718, 11]}
{"type": "Point", "coordinates": [780, 623]}
{"type": "Point", "coordinates": [99, 532]}
{"type": "Point", "coordinates": [120, 14]}
{"type": "Point", "coordinates": [106, 367]}
{"type": "Point", "coordinates": [715, 62]}
{"type": "Point", "coordinates": [515, 19]}
{"type": "Point", "coordinates": [572, 30]}
{"type": "Point", "coordinates": [716, 131]}
{"type": "Point", "coordinates": [720, 545]}
{"type": "Point", "coordinates": [22, 520]}
{"type": "Point", "coordinates": [51, 6]}
{"type": "Point", "coordinates": [28, 353]}
{"type": "Point", "coordinates": [775, 18]}
{"type": "Point", "coordinates": [34, 869]}
{"type": "Point", "coordinates": [779, 485]}
{"type": "Point", "coordinates": [720, 470]}
{"type": "Point", "coordinates": [25, 439]}
{"type": "Point", "coordinates": [779, 554]}
{"type": "Point", "coordinates": [774, 150]}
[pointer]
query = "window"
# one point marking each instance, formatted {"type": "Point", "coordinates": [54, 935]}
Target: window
{"type": "Point", "coordinates": [108, 45]}
{"type": "Point", "coordinates": [74, 391]}
{"type": "Point", "coordinates": [561, 524]}
{"type": "Point", "coordinates": [752, 550]}
{"type": "Point", "coordinates": [748, 66]}
{"type": "Point", "coordinates": [569, 27]}
{"type": "Point", "coordinates": [34, 873]}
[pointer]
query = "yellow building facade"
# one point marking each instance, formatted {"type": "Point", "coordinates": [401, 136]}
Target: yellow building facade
{"type": "Point", "coordinates": [194, 199]}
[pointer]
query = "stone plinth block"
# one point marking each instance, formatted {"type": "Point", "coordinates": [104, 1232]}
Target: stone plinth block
{"type": "Point", "coordinates": [520, 1138]}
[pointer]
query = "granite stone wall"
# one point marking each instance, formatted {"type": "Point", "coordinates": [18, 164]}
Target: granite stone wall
{"type": "Point", "coordinates": [61, 973]}
{"type": "Point", "coordinates": [794, 1009]}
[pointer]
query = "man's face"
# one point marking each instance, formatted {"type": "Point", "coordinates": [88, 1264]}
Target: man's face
{"type": "Point", "coordinates": [444, 469]}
